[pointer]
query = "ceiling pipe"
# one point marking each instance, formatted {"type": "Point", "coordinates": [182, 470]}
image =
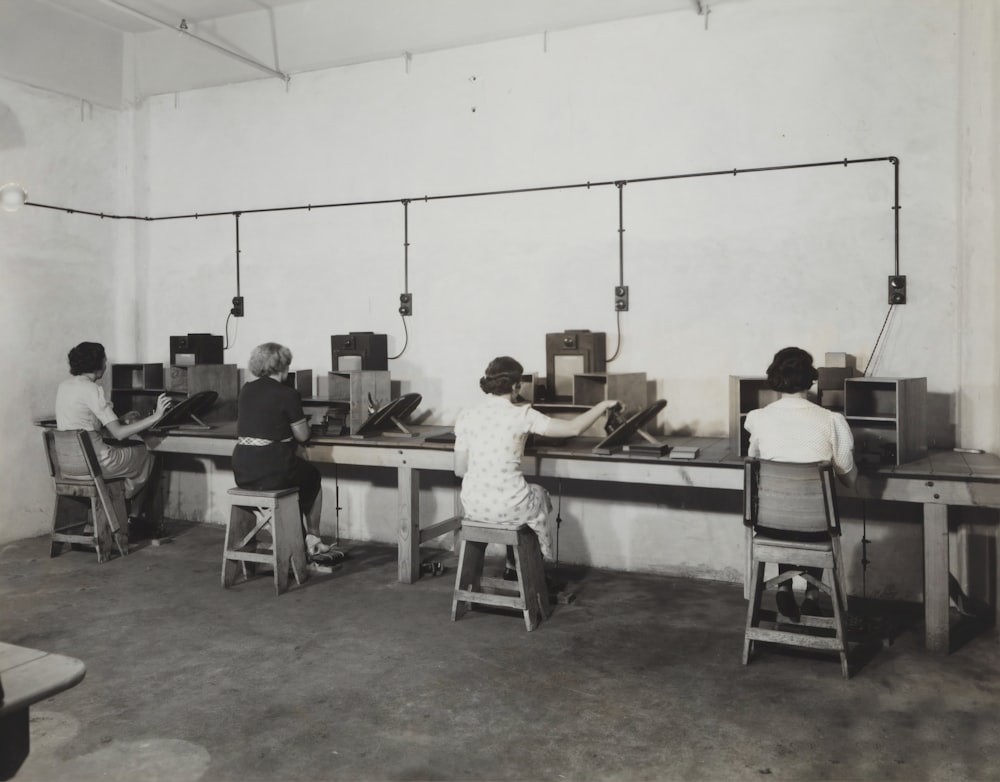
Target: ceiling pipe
{"type": "Point", "coordinates": [183, 30]}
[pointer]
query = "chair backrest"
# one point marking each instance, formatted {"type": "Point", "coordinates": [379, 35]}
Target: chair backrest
{"type": "Point", "coordinates": [790, 497]}
{"type": "Point", "coordinates": [71, 455]}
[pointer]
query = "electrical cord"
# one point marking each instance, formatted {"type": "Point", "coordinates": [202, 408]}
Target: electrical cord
{"type": "Point", "coordinates": [878, 339]}
{"type": "Point", "coordinates": [618, 348]}
{"type": "Point", "coordinates": [228, 318]}
{"type": "Point", "coordinates": [406, 340]}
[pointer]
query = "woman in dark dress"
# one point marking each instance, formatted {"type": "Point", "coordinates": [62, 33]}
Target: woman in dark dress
{"type": "Point", "coordinates": [270, 427]}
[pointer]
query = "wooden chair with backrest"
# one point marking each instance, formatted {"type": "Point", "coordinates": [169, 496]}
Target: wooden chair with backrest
{"type": "Point", "coordinates": [794, 498]}
{"type": "Point", "coordinates": [84, 501]}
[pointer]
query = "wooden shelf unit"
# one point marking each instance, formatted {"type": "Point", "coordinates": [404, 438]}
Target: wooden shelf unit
{"type": "Point", "coordinates": [888, 417]}
{"type": "Point", "coordinates": [135, 387]}
{"type": "Point", "coordinates": [746, 393]}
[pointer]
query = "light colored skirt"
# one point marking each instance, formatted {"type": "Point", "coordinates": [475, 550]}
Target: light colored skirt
{"type": "Point", "coordinates": [535, 511]}
{"type": "Point", "coordinates": [134, 463]}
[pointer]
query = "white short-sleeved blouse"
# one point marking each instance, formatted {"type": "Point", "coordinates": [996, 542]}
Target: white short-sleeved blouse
{"type": "Point", "coordinates": [794, 429]}
{"type": "Point", "coordinates": [81, 404]}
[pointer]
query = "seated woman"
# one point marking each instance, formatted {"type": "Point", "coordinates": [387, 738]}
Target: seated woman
{"type": "Point", "coordinates": [269, 427]}
{"type": "Point", "coordinates": [489, 444]}
{"type": "Point", "coordinates": [82, 404]}
{"type": "Point", "coordinates": [793, 429]}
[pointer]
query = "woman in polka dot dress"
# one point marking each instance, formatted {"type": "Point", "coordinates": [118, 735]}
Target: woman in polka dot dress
{"type": "Point", "coordinates": [489, 444]}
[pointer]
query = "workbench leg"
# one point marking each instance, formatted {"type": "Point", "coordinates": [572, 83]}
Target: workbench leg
{"type": "Point", "coordinates": [936, 570]}
{"type": "Point", "coordinates": [409, 524]}
{"type": "Point", "coordinates": [15, 741]}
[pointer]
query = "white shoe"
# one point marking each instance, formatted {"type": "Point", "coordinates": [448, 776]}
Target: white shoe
{"type": "Point", "coordinates": [316, 546]}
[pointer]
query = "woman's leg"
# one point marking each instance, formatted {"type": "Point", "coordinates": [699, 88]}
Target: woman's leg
{"type": "Point", "coordinates": [134, 463]}
{"type": "Point", "coordinates": [810, 604]}
{"type": "Point", "coordinates": [785, 598]}
{"type": "Point", "coordinates": [306, 478]}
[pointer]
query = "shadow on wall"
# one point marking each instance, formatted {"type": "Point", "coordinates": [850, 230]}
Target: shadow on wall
{"type": "Point", "coordinates": [11, 133]}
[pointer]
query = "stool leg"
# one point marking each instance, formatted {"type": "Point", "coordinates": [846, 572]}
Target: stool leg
{"type": "Point", "coordinates": [241, 522]}
{"type": "Point", "coordinates": [471, 557]}
{"type": "Point", "coordinates": [102, 531]}
{"type": "Point", "coordinates": [279, 551]}
{"type": "Point", "coordinates": [839, 609]}
{"type": "Point", "coordinates": [289, 546]}
{"type": "Point", "coordinates": [62, 506]}
{"type": "Point", "coordinates": [296, 542]}
{"type": "Point", "coordinates": [753, 607]}
{"type": "Point", "coordinates": [117, 491]}
{"type": "Point", "coordinates": [527, 579]}
{"type": "Point", "coordinates": [537, 566]}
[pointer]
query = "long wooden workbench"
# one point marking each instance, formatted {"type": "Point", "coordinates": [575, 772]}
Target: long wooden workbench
{"type": "Point", "coordinates": [939, 481]}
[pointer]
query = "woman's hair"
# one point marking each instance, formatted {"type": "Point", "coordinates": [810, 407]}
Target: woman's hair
{"type": "Point", "coordinates": [269, 359]}
{"type": "Point", "coordinates": [86, 357]}
{"type": "Point", "coordinates": [501, 375]}
{"type": "Point", "coordinates": [791, 371]}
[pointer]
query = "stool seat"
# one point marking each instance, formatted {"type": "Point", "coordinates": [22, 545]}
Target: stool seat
{"type": "Point", "coordinates": [253, 514]}
{"type": "Point", "coordinates": [528, 594]}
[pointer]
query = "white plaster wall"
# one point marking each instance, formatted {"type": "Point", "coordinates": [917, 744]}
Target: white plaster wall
{"type": "Point", "coordinates": [59, 277]}
{"type": "Point", "coordinates": [723, 271]}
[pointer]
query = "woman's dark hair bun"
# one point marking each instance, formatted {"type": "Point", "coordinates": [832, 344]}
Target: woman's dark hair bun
{"type": "Point", "coordinates": [791, 371]}
{"type": "Point", "coordinates": [86, 357]}
{"type": "Point", "coordinates": [501, 375]}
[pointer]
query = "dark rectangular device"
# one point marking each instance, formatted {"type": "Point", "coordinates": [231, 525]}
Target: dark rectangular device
{"type": "Point", "coordinates": [192, 349]}
{"type": "Point", "coordinates": [371, 348]}
{"type": "Point", "coordinates": [570, 353]}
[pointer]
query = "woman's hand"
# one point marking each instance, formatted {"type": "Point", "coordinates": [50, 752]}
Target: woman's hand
{"type": "Point", "coordinates": [163, 403]}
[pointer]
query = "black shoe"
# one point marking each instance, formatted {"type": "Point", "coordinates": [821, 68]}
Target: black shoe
{"type": "Point", "coordinates": [327, 558]}
{"type": "Point", "coordinates": [509, 574]}
{"type": "Point", "coordinates": [811, 607]}
{"type": "Point", "coordinates": [787, 605]}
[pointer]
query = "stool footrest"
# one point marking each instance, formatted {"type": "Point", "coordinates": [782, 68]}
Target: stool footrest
{"type": "Point", "coordinates": [63, 537]}
{"type": "Point", "coordinates": [499, 583]}
{"type": "Point", "coordinates": [247, 556]}
{"type": "Point", "coordinates": [794, 639]}
{"type": "Point", "coordinates": [486, 598]}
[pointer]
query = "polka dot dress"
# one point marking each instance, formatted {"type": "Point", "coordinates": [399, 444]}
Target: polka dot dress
{"type": "Point", "coordinates": [493, 434]}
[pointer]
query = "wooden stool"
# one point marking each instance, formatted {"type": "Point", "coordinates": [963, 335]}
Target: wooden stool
{"type": "Point", "coordinates": [80, 502]}
{"type": "Point", "coordinates": [795, 498]}
{"type": "Point", "coordinates": [532, 597]}
{"type": "Point", "coordinates": [253, 512]}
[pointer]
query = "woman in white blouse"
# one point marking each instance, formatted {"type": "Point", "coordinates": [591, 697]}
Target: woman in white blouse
{"type": "Point", "coordinates": [82, 404]}
{"type": "Point", "coordinates": [793, 429]}
{"type": "Point", "coordinates": [489, 444]}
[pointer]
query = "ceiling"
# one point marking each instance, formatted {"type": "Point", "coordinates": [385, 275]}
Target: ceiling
{"type": "Point", "coordinates": [544, 14]}
{"type": "Point", "coordinates": [186, 44]}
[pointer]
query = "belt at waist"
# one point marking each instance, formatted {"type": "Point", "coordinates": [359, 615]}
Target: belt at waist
{"type": "Point", "coordinates": [254, 441]}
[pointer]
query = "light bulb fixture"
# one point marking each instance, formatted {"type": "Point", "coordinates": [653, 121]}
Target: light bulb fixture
{"type": "Point", "coordinates": [12, 197]}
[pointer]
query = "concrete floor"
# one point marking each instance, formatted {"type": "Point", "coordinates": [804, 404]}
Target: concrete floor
{"type": "Point", "coordinates": [357, 677]}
